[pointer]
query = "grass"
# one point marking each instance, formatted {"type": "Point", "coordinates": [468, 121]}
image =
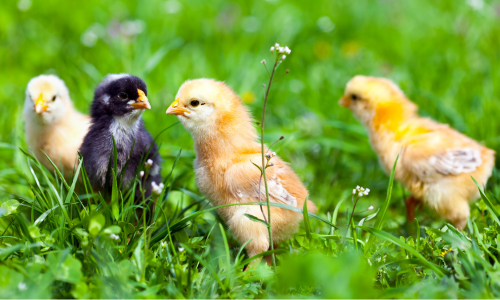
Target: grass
{"type": "Point", "coordinates": [56, 238]}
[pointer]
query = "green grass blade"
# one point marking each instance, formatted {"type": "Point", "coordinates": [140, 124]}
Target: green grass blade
{"type": "Point", "coordinates": [389, 237]}
{"type": "Point", "coordinates": [115, 208]}
{"type": "Point", "coordinates": [255, 219]}
{"type": "Point", "coordinates": [487, 201]}
{"type": "Point", "coordinates": [307, 224]}
{"type": "Point", "coordinates": [184, 222]}
{"type": "Point", "coordinates": [381, 215]}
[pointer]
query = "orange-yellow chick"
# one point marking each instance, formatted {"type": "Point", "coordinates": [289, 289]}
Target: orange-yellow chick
{"type": "Point", "coordinates": [226, 145]}
{"type": "Point", "coordinates": [52, 123]}
{"type": "Point", "coordinates": [436, 162]}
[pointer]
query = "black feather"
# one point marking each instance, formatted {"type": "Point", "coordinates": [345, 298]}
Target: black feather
{"type": "Point", "coordinates": [112, 115]}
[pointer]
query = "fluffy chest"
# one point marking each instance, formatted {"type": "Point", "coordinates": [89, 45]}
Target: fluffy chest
{"type": "Point", "coordinates": [210, 179]}
{"type": "Point", "coordinates": [124, 130]}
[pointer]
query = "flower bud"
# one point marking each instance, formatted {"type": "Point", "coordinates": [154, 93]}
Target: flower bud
{"type": "Point", "coordinates": [370, 208]}
{"type": "Point", "coordinates": [141, 173]}
{"type": "Point", "coordinates": [263, 61]}
{"type": "Point", "coordinates": [283, 57]}
{"type": "Point", "coordinates": [272, 49]}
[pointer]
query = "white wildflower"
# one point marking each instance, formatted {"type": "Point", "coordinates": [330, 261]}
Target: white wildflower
{"type": "Point", "coordinates": [273, 154]}
{"type": "Point", "coordinates": [361, 191]}
{"type": "Point", "coordinates": [141, 173]}
{"type": "Point", "coordinates": [268, 156]}
{"type": "Point", "coordinates": [114, 237]}
{"type": "Point", "coordinates": [164, 245]}
{"type": "Point", "coordinates": [283, 57]}
{"type": "Point", "coordinates": [157, 189]}
{"type": "Point", "coordinates": [371, 207]}
{"type": "Point", "coordinates": [272, 49]}
{"type": "Point", "coordinates": [149, 162]}
{"type": "Point", "coordinates": [277, 46]}
{"type": "Point", "coordinates": [263, 61]}
{"type": "Point", "coordinates": [287, 50]}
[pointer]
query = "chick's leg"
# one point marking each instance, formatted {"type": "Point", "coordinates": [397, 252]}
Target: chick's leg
{"type": "Point", "coordinates": [411, 204]}
{"type": "Point", "coordinates": [456, 212]}
{"type": "Point", "coordinates": [269, 258]}
{"type": "Point", "coordinates": [244, 229]}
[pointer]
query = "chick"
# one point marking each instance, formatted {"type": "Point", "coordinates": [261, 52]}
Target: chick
{"type": "Point", "coordinates": [52, 123]}
{"type": "Point", "coordinates": [119, 102]}
{"type": "Point", "coordinates": [226, 148]}
{"type": "Point", "coordinates": [436, 162]}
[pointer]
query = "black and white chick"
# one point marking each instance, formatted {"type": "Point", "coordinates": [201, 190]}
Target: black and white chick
{"type": "Point", "coordinates": [119, 102]}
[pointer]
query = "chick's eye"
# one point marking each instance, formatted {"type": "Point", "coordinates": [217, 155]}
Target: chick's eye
{"type": "Point", "coordinates": [54, 98]}
{"type": "Point", "coordinates": [354, 97]}
{"type": "Point", "coordinates": [123, 96]}
{"type": "Point", "coordinates": [195, 103]}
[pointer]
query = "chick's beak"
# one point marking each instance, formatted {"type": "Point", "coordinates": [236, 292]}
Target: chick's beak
{"type": "Point", "coordinates": [142, 101]}
{"type": "Point", "coordinates": [175, 109]}
{"type": "Point", "coordinates": [344, 101]}
{"type": "Point", "coordinates": [40, 105]}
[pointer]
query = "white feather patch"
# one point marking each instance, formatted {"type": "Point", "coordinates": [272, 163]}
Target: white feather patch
{"type": "Point", "coordinates": [105, 99]}
{"type": "Point", "coordinates": [113, 77]}
{"type": "Point", "coordinates": [455, 162]}
{"type": "Point", "coordinates": [123, 128]}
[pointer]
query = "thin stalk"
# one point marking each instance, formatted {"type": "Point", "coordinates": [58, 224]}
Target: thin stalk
{"type": "Point", "coordinates": [264, 163]}
{"type": "Point", "coordinates": [350, 220]}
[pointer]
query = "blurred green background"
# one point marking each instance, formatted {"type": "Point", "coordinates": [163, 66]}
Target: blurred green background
{"type": "Point", "coordinates": [444, 55]}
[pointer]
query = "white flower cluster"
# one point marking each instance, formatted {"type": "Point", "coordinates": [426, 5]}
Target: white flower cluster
{"type": "Point", "coordinates": [280, 49]}
{"type": "Point", "coordinates": [114, 237]}
{"type": "Point", "coordinates": [157, 188]}
{"type": "Point", "coordinates": [361, 191]}
{"type": "Point", "coordinates": [270, 155]}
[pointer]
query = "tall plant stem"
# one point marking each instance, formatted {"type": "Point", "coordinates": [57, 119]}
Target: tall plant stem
{"type": "Point", "coordinates": [349, 223]}
{"type": "Point", "coordinates": [271, 245]}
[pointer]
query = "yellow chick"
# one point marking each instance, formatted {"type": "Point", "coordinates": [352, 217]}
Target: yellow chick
{"type": "Point", "coordinates": [226, 145]}
{"type": "Point", "coordinates": [52, 123]}
{"type": "Point", "coordinates": [436, 162]}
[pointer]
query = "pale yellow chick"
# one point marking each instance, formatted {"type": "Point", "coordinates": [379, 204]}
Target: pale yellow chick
{"type": "Point", "coordinates": [226, 144]}
{"type": "Point", "coordinates": [52, 123]}
{"type": "Point", "coordinates": [436, 162]}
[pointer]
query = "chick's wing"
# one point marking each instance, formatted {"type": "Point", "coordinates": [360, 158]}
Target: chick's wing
{"type": "Point", "coordinates": [244, 178]}
{"type": "Point", "coordinates": [441, 153]}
